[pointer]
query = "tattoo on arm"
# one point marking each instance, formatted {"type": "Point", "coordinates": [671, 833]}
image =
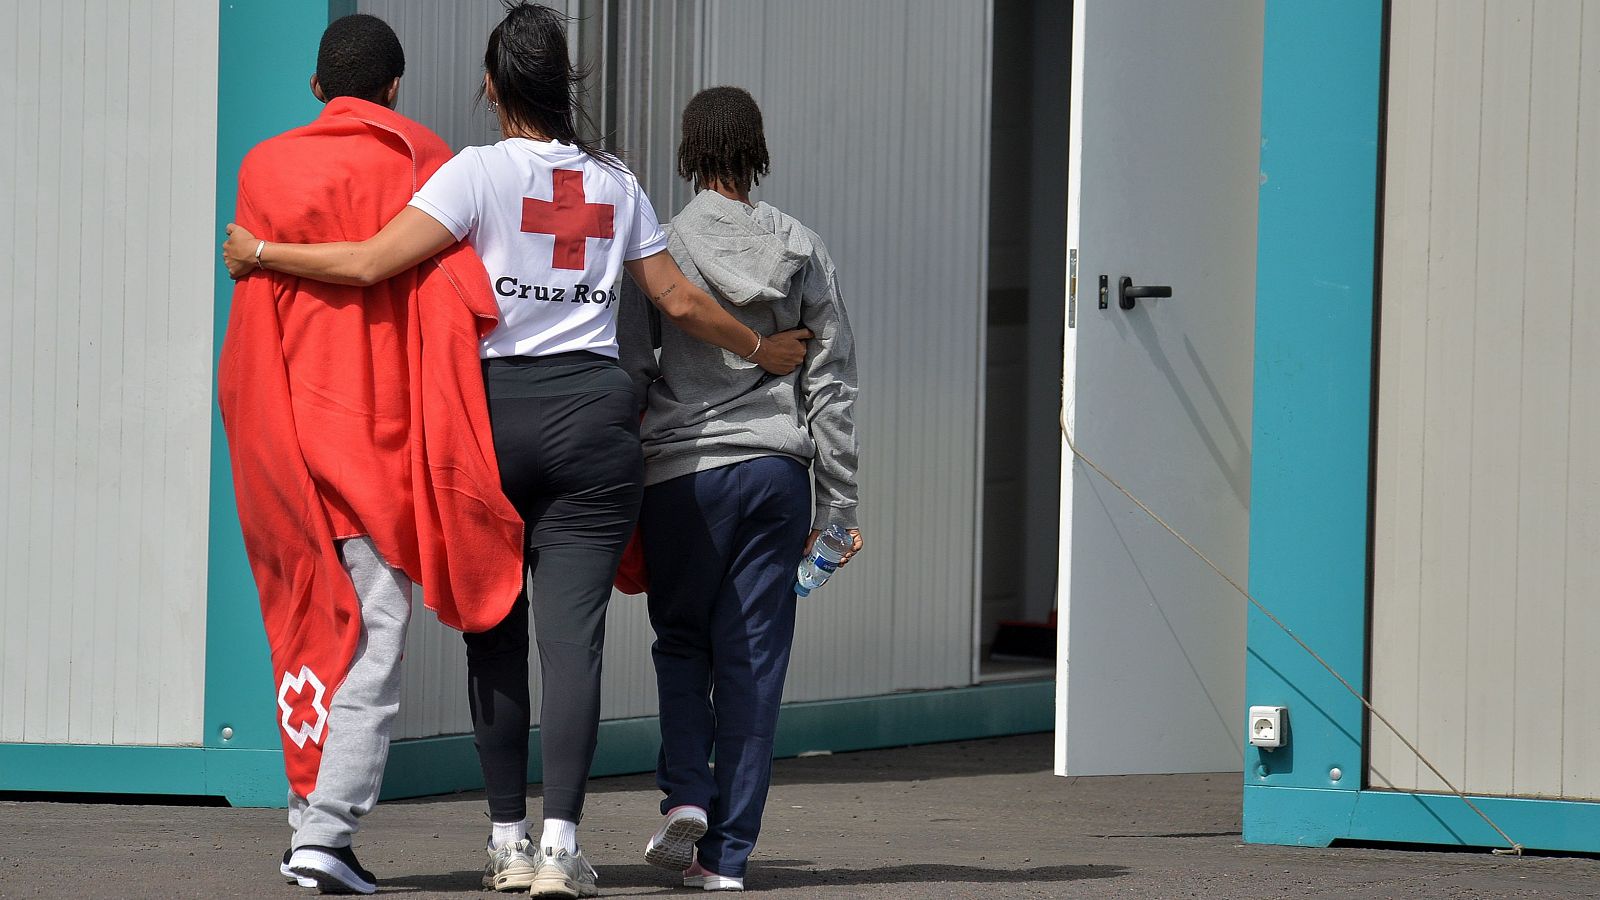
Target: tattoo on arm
{"type": "Point", "coordinates": [663, 295]}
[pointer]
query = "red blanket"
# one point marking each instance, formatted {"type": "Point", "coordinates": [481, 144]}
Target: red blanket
{"type": "Point", "coordinates": [357, 411]}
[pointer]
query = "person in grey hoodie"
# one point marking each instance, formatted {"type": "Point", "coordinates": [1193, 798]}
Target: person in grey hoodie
{"type": "Point", "coordinates": [732, 456]}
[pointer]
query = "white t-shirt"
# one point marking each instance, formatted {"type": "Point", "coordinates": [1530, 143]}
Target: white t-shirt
{"type": "Point", "coordinates": [553, 227]}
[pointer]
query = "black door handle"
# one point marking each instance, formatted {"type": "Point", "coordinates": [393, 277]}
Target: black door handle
{"type": "Point", "coordinates": [1128, 294]}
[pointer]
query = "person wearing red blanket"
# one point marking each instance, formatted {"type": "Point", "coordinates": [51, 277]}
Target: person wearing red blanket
{"type": "Point", "coordinates": [359, 436]}
{"type": "Point", "coordinates": [557, 222]}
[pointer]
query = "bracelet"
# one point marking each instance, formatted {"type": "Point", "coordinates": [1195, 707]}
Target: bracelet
{"type": "Point", "coordinates": [260, 247]}
{"type": "Point", "coordinates": [750, 356]}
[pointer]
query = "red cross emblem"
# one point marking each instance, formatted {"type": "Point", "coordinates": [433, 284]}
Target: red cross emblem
{"type": "Point", "coordinates": [570, 218]}
{"type": "Point", "coordinates": [298, 723]}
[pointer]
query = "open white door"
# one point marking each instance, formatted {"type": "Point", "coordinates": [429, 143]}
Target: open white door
{"type": "Point", "coordinates": [1163, 178]}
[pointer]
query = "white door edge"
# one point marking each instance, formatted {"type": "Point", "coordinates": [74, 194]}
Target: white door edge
{"type": "Point", "coordinates": [1087, 292]}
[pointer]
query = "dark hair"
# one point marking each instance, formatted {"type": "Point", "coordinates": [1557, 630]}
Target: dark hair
{"type": "Point", "coordinates": [723, 140]}
{"type": "Point", "coordinates": [358, 57]}
{"type": "Point", "coordinates": [534, 80]}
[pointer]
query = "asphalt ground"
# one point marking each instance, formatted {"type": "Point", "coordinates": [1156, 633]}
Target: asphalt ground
{"type": "Point", "coordinates": [973, 819]}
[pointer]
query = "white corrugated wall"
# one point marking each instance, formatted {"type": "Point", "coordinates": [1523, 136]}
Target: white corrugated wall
{"type": "Point", "coordinates": [877, 119]}
{"type": "Point", "coordinates": [444, 45]}
{"type": "Point", "coordinates": [108, 122]}
{"type": "Point", "coordinates": [1488, 465]}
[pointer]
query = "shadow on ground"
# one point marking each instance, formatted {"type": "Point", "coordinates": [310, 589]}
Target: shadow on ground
{"type": "Point", "coordinates": [778, 876]}
{"type": "Point", "coordinates": [1021, 755]}
{"type": "Point", "coordinates": [781, 873]}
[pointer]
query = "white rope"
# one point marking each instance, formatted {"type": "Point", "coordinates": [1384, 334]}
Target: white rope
{"type": "Point", "coordinates": [1513, 848]}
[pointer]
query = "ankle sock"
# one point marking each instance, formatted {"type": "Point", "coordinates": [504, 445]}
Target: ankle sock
{"type": "Point", "coordinates": [504, 834]}
{"type": "Point", "coordinates": [559, 834]}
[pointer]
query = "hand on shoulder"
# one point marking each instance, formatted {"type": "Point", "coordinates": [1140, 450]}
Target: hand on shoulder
{"type": "Point", "coordinates": [239, 251]}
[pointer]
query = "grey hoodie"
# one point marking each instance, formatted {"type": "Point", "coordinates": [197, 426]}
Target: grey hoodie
{"type": "Point", "coordinates": [706, 407]}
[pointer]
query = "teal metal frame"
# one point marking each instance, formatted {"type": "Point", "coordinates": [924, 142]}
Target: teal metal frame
{"type": "Point", "coordinates": [1316, 322]}
{"type": "Point", "coordinates": [449, 763]}
{"type": "Point", "coordinates": [267, 51]}
{"type": "Point", "coordinates": [266, 54]}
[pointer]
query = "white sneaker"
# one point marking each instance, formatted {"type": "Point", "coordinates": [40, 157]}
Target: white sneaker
{"type": "Point", "coordinates": [698, 876]}
{"type": "Point", "coordinates": [283, 869]}
{"type": "Point", "coordinates": [511, 868]}
{"type": "Point", "coordinates": [672, 846]}
{"type": "Point", "coordinates": [563, 874]}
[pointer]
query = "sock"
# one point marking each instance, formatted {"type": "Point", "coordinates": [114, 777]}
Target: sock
{"type": "Point", "coordinates": [559, 834]}
{"type": "Point", "coordinates": [507, 833]}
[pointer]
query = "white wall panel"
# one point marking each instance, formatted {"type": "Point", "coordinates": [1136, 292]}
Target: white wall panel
{"type": "Point", "coordinates": [444, 45]}
{"type": "Point", "coordinates": [1484, 585]}
{"type": "Point", "coordinates": [661, 57]}
{"type": "Point", "coordinates": [107, 162]}
{"type": "Point", "coordinates": [1580, 734]}
{"type": "Point", "coordinates": [877, 120]}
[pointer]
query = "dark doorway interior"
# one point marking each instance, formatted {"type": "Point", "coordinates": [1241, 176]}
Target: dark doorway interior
{"type": "Point", "coordinates": [1027, 291]}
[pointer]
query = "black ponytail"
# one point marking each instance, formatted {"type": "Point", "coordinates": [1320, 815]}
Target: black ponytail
{"type": "Point", "coordinates": [534, 80]}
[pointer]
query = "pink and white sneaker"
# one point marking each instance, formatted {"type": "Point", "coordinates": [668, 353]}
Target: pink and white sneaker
{"type": "Point", "coordinates": [672, 846]}
{"type": "Point", "coordinates": [698, 876]}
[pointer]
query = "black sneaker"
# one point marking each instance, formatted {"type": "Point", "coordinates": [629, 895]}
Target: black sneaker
{"type": "Point", "coordinates": [283, 869]}
{"type": "Point", "coordinates": [334, 869]}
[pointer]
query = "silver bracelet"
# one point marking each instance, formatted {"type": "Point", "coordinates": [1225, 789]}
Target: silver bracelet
{"type": "Point", "coordinates": [260, 247]}
{"type": "Point", "coordinates": [751, 356]}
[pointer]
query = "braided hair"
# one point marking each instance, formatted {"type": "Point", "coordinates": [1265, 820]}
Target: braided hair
{"type": "Point", "coordinates": [534, 79]}
{"type": "Point", "coordinates": [723, 141]}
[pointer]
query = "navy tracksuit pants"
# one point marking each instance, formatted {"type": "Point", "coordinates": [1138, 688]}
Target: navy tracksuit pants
{"type": "Point", "coordinates": [721, 547]}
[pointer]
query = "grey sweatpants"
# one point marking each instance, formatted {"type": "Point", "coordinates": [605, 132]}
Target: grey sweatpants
{"type": "Point", "coordinates": [364, 707]}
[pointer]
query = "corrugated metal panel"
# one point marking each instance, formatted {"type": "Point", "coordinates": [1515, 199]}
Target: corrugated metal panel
{"type": "Point", "coordinates": [874, 129]}
{"type": "Point", "coordinates": [660, 63]}
{"type": "Point", "coordinates": [108, 126]}
{"type": "Point", "coordinates": [1580, 736]}
{"type": "Point", "coordinates": [655, 69]}
{"type": "Point", "coordinates": [444, 44]}
{"type": "Point", "coordinates": [877, 119]}
{"type": "Point", "coordinates": [1483, 613]}
{"type": "Point", "coordinates": [433, 672]}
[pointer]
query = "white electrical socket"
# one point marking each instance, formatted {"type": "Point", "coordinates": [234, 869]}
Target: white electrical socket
{"type": "Point", "coordinates": [1267, 725]}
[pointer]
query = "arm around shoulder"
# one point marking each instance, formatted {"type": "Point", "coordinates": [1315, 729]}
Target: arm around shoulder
{"type": "Point", "coordinates": [695, 313]}
{"type": "Point", "coordinates": [410, 237]}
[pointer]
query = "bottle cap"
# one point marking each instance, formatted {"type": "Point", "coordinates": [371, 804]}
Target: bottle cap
{"type": "Point", "coordinates": [801, 590]}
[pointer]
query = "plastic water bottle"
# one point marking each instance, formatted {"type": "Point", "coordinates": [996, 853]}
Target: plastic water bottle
{"type": "Point", "coordinates": [829, 548]}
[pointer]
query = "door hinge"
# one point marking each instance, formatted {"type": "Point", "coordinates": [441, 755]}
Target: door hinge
{"type": "Point", "coordinates": [1072, 288]}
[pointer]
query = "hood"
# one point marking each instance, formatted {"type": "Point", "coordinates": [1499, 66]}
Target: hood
{"type": "Point", "coordinates": [746, 253]}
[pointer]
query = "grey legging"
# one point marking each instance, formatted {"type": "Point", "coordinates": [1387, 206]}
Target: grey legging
{"type": "Point", "coordinates": [566, 435]}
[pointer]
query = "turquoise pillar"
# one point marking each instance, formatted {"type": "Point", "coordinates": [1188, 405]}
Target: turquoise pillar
{"type": "Point", "coordinates": [266, 54]}
{"type": "Point", "coordinates": [1310, 518]}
